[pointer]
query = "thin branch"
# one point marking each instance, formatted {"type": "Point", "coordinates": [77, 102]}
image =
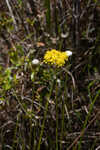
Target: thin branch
{"type": "Point", "coordinates": [84, 10]}
{"type": "Point", "coordinates": [70, 74]}
{"type": "Point", "coordinates": [82, 132]}
{"type": "Point", "coordinates": [11, 13]}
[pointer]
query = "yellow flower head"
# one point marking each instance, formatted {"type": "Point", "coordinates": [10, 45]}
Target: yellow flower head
{"type": "Point", "coordinates": [55, 57]}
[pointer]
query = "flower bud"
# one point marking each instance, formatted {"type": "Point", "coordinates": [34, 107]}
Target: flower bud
{"type": "Point", "coordinates": [35, 62]}
{"type": "Point", "coordinates": [69, 53]}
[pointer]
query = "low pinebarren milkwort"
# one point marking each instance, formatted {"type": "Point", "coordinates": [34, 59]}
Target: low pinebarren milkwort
{"type": "Point", "coordinates": [55, 57]}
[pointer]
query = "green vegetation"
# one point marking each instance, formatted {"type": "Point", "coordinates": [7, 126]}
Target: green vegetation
{"type": "Point", "coordinates": [43, 106]}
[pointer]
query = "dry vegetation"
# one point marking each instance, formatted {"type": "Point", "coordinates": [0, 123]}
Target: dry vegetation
{"type": "Point", "coordinates": [41, 106]}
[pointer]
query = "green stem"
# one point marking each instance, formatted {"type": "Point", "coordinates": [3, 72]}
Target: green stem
{"type": "Point", "coordinates": [45, 113]}
{"type": "Point", "coordinates": [56, 118]}
{"type": "Point", "coordinates": [87, 117]}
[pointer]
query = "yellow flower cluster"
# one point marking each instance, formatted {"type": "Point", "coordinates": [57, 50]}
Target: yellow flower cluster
{"type": "Point", "coordinates": [55, 57]}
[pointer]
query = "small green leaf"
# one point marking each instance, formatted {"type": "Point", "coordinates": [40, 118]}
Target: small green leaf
{"type": "Point", "coordinates": [7, 86]}
{"type": "Point", "coordinates": [32, 76]}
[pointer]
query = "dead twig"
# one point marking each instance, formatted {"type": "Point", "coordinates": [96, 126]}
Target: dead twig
{"type": "Point", "coordinates": [69, 73]}
{"type": "Point", "coordinates": [11, 13]}
{"type": "Point", "coordinates": [82, 132]}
